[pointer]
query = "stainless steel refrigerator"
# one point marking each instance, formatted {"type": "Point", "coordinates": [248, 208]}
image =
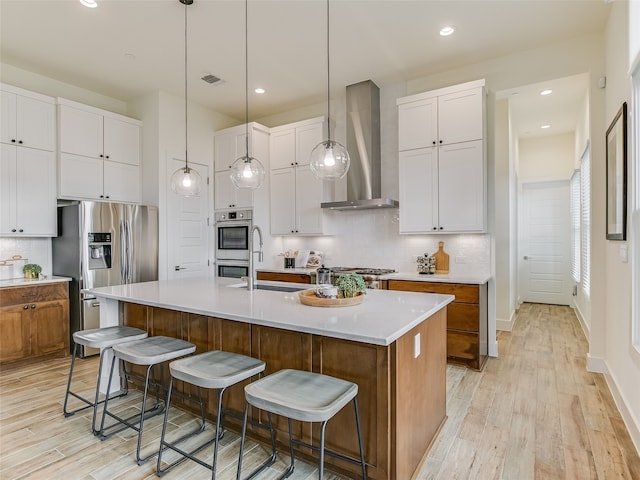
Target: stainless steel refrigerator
{"type": "Point", "coordinates": [99, 245]}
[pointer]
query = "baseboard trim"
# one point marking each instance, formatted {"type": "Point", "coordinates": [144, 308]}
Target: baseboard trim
{"type": "Point", "coordinates": [493, 349]}
{"type": "Point", "coordinates": [632, 424]}
{"type": "Point", "coordinates": [506, 325]}
{"type": "Point", "coordinates": [583, 323]}
{"type": "Point", "coordinates": [596, 364]}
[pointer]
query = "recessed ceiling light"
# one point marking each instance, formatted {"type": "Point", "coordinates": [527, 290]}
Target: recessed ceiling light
{"type": "Point", "coordinates": [546, 92]}
{"type": "Point", "coordinates": [446, 31]}
{"type": "Point", "coordinates": [545, 126]}
{"type": "Point", "coordinates": [89, 3]}
{"type": "Point", "coordinates": [259, 90]}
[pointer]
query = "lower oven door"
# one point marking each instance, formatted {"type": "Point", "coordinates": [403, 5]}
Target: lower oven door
{"type": "Point", "coordinates": [232, 268]}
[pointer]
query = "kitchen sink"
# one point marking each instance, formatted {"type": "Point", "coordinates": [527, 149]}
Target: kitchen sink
{"type": "Point", "coordinates": [267, 286]}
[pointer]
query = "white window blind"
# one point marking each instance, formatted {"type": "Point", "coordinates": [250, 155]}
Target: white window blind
{"type": "Point", "coordinates": [576, 214]}
{"type": "Point", "coordinates": [585, 232]}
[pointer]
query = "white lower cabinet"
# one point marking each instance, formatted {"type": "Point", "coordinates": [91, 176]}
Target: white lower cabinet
{"type": "Point", "coordinates": [442, 189]}
{"type": "Point", "coordinates": [96, 179]}
{"type": "Point", "coordinates": [296, 195]}
{"type": "Point", "coordinates": [27, 192]}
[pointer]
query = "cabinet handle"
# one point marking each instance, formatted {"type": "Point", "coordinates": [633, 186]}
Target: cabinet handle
{"type": "Point", "coordinates": [29, 294]}
{"type": "Point", "coordinates": [33, 306]}
{"type": "Point", "coordinates": [26, 307]}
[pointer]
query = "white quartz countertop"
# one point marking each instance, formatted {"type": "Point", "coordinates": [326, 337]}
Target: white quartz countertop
{"type": "Point", "coordinates": [26, 282]}
{"type": "Point", "coordinates": [475, 279]}
{"type": "Point", "coordinates": [383, 317]}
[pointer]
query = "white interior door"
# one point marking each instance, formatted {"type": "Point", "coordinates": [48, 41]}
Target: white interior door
{"type": "Point", "coordinates": [187, 230]}
{"type": "Point", "coordinates": [544, 246]}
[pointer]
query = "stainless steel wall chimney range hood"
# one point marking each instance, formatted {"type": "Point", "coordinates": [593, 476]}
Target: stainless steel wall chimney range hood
{"type": "Point", "coordinates": [363, 145]}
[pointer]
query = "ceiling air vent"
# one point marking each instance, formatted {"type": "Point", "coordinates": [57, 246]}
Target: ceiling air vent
{"type": "Point", "coordinates": [211, 79]}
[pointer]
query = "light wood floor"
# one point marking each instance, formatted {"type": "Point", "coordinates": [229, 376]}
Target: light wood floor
{"type": "Point", "coordinates": [534, 412]}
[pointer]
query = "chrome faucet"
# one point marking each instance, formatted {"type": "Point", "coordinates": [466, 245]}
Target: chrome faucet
{"type": "Point", "coordinates": [250, 278]}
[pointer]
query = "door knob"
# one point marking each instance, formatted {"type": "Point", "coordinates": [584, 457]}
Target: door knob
{"type": "Point", "coordinates": [178, 267]}
{"type": "Point", "coordinates": [526, 257]}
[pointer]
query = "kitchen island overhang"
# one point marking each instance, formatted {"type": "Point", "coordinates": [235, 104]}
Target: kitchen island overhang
{"type": "Point", "coordinates": [393, 346]}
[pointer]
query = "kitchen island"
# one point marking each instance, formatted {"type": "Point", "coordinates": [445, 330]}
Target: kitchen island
{"type": "Point", "coordinates": [393, 346]}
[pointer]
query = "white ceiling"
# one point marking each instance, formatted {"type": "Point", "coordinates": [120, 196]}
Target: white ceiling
{"type": "Point", "coordinates": [123, 49]}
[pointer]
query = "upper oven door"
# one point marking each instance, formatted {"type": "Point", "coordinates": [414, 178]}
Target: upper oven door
{"type": "Point", "coordinates": [233, 240]}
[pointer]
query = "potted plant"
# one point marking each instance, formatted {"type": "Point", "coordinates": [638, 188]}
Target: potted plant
{"type": "Point", "coordinates": [32, 270]}
{"type": "Point", "coordinates": [350, 285]}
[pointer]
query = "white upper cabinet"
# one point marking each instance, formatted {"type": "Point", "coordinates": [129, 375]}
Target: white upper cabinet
{"type": "Point", "coordinates": [441, 117]}
{"type": "Point", "coordinates": [99, 154]}
{"type": "Point", "coordinates": [442, 160]}
{"type": "Point", "coordinates": [229, 145]}
{"type": "Point", "coordinates": [28, 119]}
{"type": "Point", "coordinates": [296, 194]}
{"type": "Point", "coordinates": [27, 164]}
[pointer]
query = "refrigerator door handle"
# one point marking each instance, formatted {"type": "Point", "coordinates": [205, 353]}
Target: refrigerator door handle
{"type": "Point", "coordinates": [124, 252]}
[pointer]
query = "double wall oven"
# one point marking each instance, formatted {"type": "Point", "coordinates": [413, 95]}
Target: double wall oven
{"type": "Point", "coordinates": [232, 243]}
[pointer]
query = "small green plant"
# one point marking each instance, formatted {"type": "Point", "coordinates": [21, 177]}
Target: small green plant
{"type": "Point", "coordinates": [32, 270]}
{"type": "Point", "coordinates": [351, 284]}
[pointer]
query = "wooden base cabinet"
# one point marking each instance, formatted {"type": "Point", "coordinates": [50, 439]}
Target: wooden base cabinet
{"type": "Point", "coordinates": [401, 397]}
{"type": "Point", "coordinates": [284, 277]}
{"type": "Point", "coordinates": [34, 322]}
{"type": "Point", "coordinates": [467, 327]}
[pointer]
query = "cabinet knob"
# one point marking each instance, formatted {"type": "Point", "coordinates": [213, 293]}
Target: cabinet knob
{"type": "Point", "coordinates": [13, 140]}
{"type": "Point", "coordinates": [435, 228]}
{"type": "Point", "coordinates": [26, 307]}
{"type": "Point", "coordinates": [441, 228]}
{"type": "Point", "coordinates": [21, 230]}
{"type": "Point", "coordinates": [107, 196]}
{"type": "Point", "coordinates": [440, 141]}
{"type": "Point", "coordinates": [106, 156]}
{"type": "Point", "coordinates": [292, 164]}
{"type": "Point", "coordinates": [101, 156]}
{"type": "Point", "coordinates": [292, 231]}
{"type": "Point", "coordinates": [20, 142]}
{"type": "Point", "coordinates": [13, 230]}
{"type": "Point", "coordinates": [101, 196]}
{"type": "Point", "coordinates": [33, 306]}
{"type": "Point", "coordinates": [434, 142]}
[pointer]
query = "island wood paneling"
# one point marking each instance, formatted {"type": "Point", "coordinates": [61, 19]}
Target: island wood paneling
{"type": "Point", "coordinates": [401, 398]}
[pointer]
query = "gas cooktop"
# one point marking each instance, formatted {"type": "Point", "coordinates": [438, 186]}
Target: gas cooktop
{"type": "Point", "coordinates": [362, 270]}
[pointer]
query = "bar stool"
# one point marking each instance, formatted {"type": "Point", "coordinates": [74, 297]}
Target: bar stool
{"type": "Point", "coordinates": [212, 370]}
{"type": "Point", "coordinates": [307, 397]}
{"type": "Point", "coordinates": [149, 352]}
{"type": "Point", "coordinates": [104, 339]}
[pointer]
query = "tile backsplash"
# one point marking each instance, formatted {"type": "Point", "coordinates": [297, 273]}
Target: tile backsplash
{"type": "Point", "coordinates": [370, 238]}
{"type": "Point", "coordinates": [36, 250]}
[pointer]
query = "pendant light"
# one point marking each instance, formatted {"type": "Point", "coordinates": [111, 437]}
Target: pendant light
{"type": "Point", "coordinates": [329, 159]}
{"type": "Point", "coordinates": [186, 181]}
{"type": "Point", "coordinates": [247, 172]}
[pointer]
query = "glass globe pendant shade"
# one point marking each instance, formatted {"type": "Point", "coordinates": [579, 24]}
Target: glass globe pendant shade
{"type": "Point", "coordinates": [186, 182]}
{"type": "Point", "coordinates": [247, 172]}
{"type": "Point", "coordinates": [329, 160]}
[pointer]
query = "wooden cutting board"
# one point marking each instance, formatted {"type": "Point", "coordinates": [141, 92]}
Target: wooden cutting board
{"type": "Point", "coordinates": [442, 259]}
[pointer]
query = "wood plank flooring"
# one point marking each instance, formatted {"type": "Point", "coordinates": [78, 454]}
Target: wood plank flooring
{"type": "Point", "coordinates": [533, 413]}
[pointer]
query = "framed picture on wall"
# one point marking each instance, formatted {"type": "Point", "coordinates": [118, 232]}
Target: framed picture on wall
{"type": "Point", "coordinates": [617, 176]}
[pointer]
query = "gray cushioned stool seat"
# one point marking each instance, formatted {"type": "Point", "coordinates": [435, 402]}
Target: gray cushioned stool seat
{"type": "Point", "coordinates": [301, 395]}
{"type": "Point", "coordinates": [103, 338]}
{"type": "Point", "coordinates": [153, 350]}
{"type": "Point", "coordinates": [108, 336]}
{"type": "Point", "coordinates": [215, 369]}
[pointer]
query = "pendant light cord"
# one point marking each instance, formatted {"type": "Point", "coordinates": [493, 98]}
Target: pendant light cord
{"type": "Point", "coordinates": [186, 98]}
{"type": "Point", "coordinates": [328, 85]}
{"type": "Point", "coordinates": [246, 76]}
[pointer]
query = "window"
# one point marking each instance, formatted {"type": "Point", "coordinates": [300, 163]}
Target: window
{"type": "Point", "coordinates": [575, 225]}
{"type": "Point", "coordinates": [585, 208]}
{"type": "Point", "coordinates": [634, 190]}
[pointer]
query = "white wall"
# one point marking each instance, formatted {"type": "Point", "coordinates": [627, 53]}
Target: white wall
{"type": "Point", "coordinates": [622, 361]}
{"type": "Point", "coordinates": [546, 158]}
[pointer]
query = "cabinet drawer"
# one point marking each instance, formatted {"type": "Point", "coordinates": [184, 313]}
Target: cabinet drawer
{"type": "Point", "coordinates": [284, 277]}
{"type": "Point", "coordinates": [33, 294]}
{"type": "Point", "coordinates": [463, 345]}
{"type": "Point", "coordinates": [464, 293]}
{"type": "Point", "coordinates": [463, 316]}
